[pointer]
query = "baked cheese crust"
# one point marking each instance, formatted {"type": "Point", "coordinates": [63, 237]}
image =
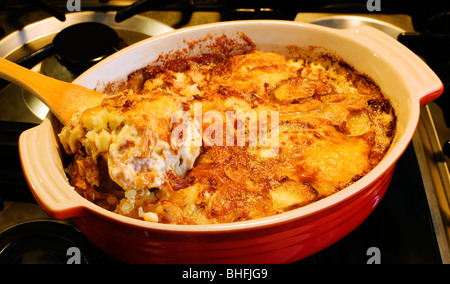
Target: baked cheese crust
{"type": "Point", "coordinates": [332, 126]}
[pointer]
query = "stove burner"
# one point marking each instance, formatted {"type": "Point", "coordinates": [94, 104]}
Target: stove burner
{"type": "Point", "coordinates": [32, 47]}
{"type": "Point", "coordinates": [75, 49]}
{"type": "Point", "coordinates": [47, 242]}
{"type": "Point", "coordinates": [80, 46]}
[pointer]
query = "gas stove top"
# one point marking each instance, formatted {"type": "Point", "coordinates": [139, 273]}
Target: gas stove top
{"type": "Point", "coordinates": [408, 226]}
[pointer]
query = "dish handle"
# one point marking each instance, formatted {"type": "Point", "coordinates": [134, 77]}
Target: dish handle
{"type": "Point", "coordinates": [44, 173]}
{"type": "Point", "coordinates": [422, 81]}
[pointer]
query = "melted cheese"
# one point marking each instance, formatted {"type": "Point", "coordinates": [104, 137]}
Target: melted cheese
{"type": "Point", "coordinates": [333, 125]}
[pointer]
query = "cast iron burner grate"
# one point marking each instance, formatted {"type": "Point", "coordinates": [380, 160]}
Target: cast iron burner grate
{"type": "Point", "coordinates": [76, 48]}
{"type": "Point", "coordinates": [432, 44]}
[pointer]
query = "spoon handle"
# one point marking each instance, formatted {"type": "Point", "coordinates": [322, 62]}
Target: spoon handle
{"type": "Point", "coordinates": [62, 98]}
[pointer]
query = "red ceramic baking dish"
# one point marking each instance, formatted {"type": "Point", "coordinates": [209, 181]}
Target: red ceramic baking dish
{"type": "Point", "coordinates": [283, 238]}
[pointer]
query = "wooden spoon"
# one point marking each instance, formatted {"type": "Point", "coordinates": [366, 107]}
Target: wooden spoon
{"type": "Point", "coordinates": [62, 98]}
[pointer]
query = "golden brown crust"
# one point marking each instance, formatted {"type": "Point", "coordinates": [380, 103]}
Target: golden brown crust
{"type": "Point", "coordinates": [334, 126]}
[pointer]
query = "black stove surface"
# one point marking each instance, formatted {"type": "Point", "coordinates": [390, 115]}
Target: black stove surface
{"type": "Point", "coordinates": [48, 242]}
